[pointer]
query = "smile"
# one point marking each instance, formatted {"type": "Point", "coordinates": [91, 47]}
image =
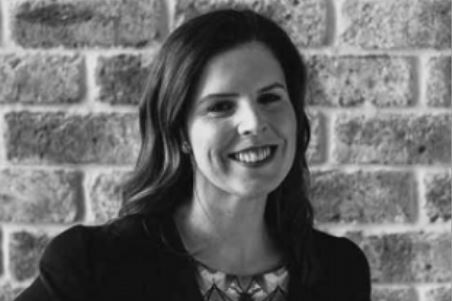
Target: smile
{"type": "Point", "coordinates": [254, 155]}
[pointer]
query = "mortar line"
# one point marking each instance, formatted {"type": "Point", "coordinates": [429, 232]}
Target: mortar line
{"type": "Point", "coordinates": [6, 7]}
{"type": "Point", "coordinates": [170, 13]}
{"type": "Point", "coordinates": [88, 214]}
{"type": "Point", "coordinates": [422, 81]}
{"type": "Point", "coordinates": [422, 202]}
{"type": "Point", "coordinates": [383, 228]}
{"type": "Point", "coordinates": [92, 90]}
{"type": "Point", "coordinates": [6, 254]}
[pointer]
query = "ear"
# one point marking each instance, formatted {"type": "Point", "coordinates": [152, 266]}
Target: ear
{"type": "Point", "coordinates": [185, 145]}
{"type": "Point", "coordinates": [186, 149]}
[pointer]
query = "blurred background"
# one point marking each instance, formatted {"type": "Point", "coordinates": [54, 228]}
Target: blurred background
{"type": "Point", "coordinates": [379, 99]}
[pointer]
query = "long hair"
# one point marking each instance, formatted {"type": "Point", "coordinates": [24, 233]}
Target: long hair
{"type": "Point", "coordinates": [163, 176]}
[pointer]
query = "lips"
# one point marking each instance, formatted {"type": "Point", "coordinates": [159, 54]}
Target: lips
{"type": "Point", "coordinates": [254, 155]}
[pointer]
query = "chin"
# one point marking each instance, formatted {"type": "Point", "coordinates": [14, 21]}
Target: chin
{"type": "Point", "coordinates": [256, 190]}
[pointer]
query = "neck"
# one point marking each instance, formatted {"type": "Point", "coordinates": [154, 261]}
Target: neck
{"type": "Point", "coordinates": [228, 233]}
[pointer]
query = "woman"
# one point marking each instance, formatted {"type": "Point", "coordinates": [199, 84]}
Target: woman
{"type": "Point", "coordinates": [216, 208]}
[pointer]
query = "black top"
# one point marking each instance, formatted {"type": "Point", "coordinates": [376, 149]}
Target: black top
{"type": "Point", "coordinates": [137, 258]}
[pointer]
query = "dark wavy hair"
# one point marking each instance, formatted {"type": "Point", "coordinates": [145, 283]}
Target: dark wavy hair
{"type": "Point", "coordinates": [163, 176]}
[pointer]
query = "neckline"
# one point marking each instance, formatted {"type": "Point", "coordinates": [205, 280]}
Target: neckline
{"type": "Point", "coordinates": [279, 268]}
{"type": "Point", "coordinates": [165, 228]}
{"type": "Point", "coordinates": [172, 239]}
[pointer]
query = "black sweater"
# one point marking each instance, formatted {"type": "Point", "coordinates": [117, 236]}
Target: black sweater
{"type": "Point", "coordinates": [137, 258]}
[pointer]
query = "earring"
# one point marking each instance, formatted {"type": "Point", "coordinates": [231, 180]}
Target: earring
{"type": "Point", "coordinates": [185, 147]}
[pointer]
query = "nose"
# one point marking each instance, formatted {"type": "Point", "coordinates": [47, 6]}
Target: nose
{"type": "Point", "coordinates": [251, 120]}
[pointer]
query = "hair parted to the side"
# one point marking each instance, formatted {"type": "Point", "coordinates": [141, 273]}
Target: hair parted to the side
{"type": "Point", "coordinates": [163, 176]}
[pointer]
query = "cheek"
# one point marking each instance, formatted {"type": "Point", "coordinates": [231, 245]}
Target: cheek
{"type": "Point", "coordinates": [207, 140]}
{"type": "Point", "coordinates": [287, 123]}
{"type": "Point", "coordinates": [289, 128]}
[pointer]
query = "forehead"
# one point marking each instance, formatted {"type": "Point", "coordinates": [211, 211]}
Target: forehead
{"type": "Point", "coordinates": [243, 69]}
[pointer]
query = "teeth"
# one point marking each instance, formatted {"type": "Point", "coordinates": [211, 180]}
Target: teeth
{"type": "Point", "coordinates": [254, 155]}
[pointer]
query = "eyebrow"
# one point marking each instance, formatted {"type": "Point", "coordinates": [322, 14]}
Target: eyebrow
{"type": "Point", "coordinates": [226, 95]}
{"type": "Point", "coordinates": [271, 87]}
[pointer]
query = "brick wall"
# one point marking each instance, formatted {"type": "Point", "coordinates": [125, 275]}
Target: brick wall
{"type": "Point", "coordinates": [379, 96]}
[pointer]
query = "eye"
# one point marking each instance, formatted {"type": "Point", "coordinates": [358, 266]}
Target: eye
{"type": "Point", "coordinates": [221, 107]}
{"type": "Point", "coordinates": [269, 98]}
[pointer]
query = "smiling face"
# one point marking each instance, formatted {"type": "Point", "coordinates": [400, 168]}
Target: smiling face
{"type": "Point", "coordinates": [241, 125]}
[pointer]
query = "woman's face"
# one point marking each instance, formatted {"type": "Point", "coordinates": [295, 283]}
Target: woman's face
{"type": "Point", "coordinates": [241, 125]}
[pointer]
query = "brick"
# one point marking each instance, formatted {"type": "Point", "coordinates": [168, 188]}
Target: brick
{"type": "Point", "coordinates": [26, 249]}
{"type": "Point", "coordinates": [353, 81]}
{"type": "Point", "coordinates": [439, 294]}
{"type": "Point", "coordinates": [121, 78]}
{"type": "Point", "coordinates": [88, 23]}
{"type": "Point", "coordinates": [407, 257]}
{"type": "Point", "coordinates": [106, 196]}
{"type": "Point", "coordinates": [305, 21]}
{"type": "Point", "coordinates": [438, 195]}
{"type": "Point", "coordinates": [316, 152]}
{"type": "Point", "coordinates": [37, 196]}
{"type": "Point", "coordinates": [9, 292]}
{"type": "Point", "coordinates": [63, 138]}
{"type": "Point", "coordinates": [393, 139]}
{"type": "Point", "coordinates": [394, 294]}
{"type": "Point", "coordinates": [397, 24]}
{"type": "Point", "coordinates": [439, 82]}
{"type": "Point", "coordinates": [365, 197]}
{"type": "Point", "coordinates": [40, 78]}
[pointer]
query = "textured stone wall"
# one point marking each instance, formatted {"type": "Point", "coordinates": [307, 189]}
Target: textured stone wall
{"type": "Point", "coordinates": [379, 95]}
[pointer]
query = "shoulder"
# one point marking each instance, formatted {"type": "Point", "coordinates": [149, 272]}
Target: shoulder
{"type": "Point", "coordinates": [333, 246]}
{"type": "Point", "coordinates": [88, 243]}
{"type": "Point", "coordinates": [344, 266]}
{"type": "Point", "coordinates": [113, 261]}
{"type": "Point", "coordinates": [338, 252]}
{"type": "Point", "coordinates": [70, 244]}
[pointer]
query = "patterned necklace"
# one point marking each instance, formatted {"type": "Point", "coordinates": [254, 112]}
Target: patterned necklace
{"type": "Point", "coordinates": [219, 286]}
